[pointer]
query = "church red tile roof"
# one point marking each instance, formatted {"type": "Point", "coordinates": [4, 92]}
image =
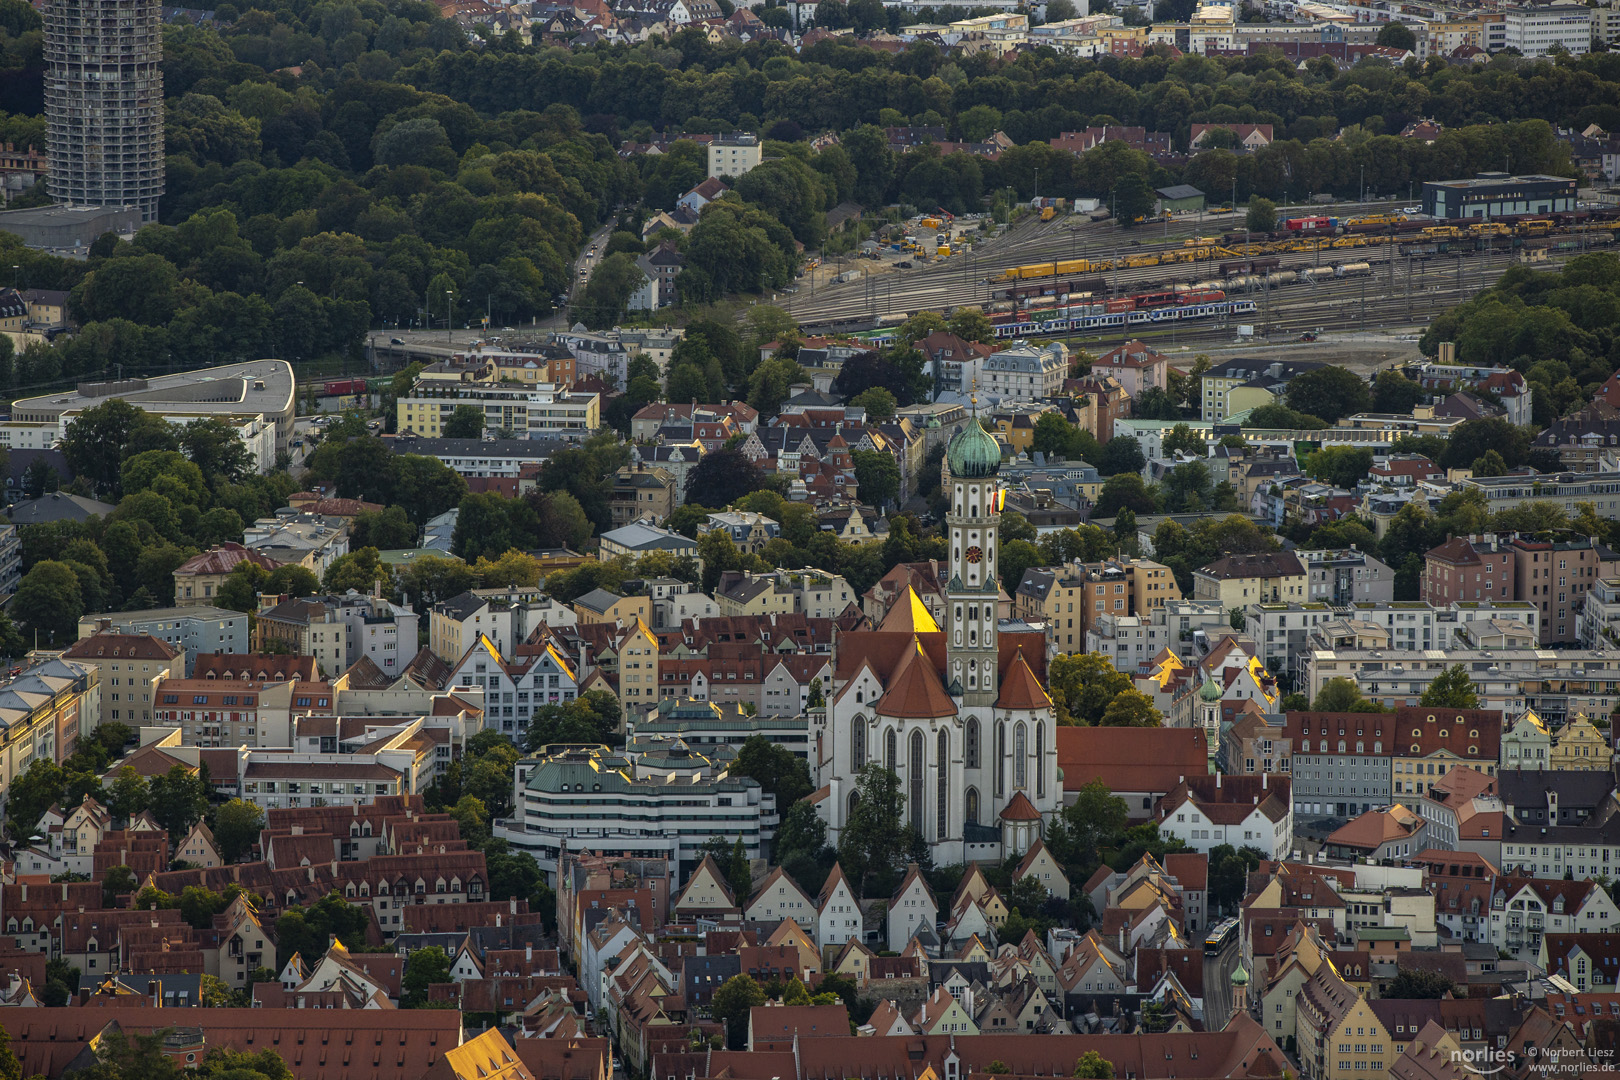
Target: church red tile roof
{"type": "Point", "coordinates": [1020, 689]}
{"type": "Point", "coordinates": [1019, 808]}
{"type": "Point", "coordinates": [915, 690]}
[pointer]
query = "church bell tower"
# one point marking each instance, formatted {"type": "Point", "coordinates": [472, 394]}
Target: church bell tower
{"type": "Point", "coordinates": [971, 462]}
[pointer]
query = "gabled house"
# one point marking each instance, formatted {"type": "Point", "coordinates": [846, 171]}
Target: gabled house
{"type": "Point", "coordinates": [838, 911]}
{"type": "Point", "coordinates": [943, 1014]}
{"type": "Point", "coordinates": [706, 895]}
{"type": "Point", "coordinates": [1039, 864]}
{"type": "Point", "coordinates": [912, 907]}
{"type": "Point", "coordinates": [780, 897]}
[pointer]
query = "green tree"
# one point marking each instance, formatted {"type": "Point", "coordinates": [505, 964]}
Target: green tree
{"type": "Point", "coordinates": [1342, 466]}
{"type": "Point", "coordinates": [1395, 393]}
{"type": "Point", "coordinates": [309, 930]}
{"type": "Point", "coordinates": [118, 881]}
{"type": "Point", "coordinates": [129, 795]}
{"type": "Point", "coordinates": [179, 798]}
{"type": "Point", "coordinates": [1083, 685]}
{"type": "Point", "coordinates": [1261, 217]}
{"type": "Point", "coordinates": [1451, 689]}
{"type": "Point", "coordinates": [423, 968]}
{"type": "Point", "coordinates": [1489, 463]}
{"type": "Point", "coordinates": [1095, 820]}
{"type": "Point", "coordinates": [732, 1004]}
{"type": "Point", "coordinates": [874, 839]}
{"type": "Point", "coordinates": [878, 402]}
{"type": "Point", "coordinates": [32, 793]}
{"type": "Point", "coordinates": [1093, 1065]}
{"type": "Point", "coordinates": [1133, 200]}
{"type": "Point", "coordinates": [1329, 393]}
{"type": "Point", "coordinates": [102, 438]}
{"type": "Point", "coordinates": [1396, 35]}
{"type": "Point", "coordinates": [1121, 454]}
{"type": "Point", "coordinates": [236, 827]}
{"type": "Point", "coordinates": [802, 832]}
{"type": "Point", "coordinates": [466, 422]}
{"type": "Point", "coordinates": [10, 1067]}
{"type": "Point", "coordinates": [877, 475]}
{"type": "Point", "coordinates": [1125, 491]}
{"type": "Point", "coordinates": [49, 601]}
{"type": "Point", "coordinates": [1420, 984]}
{"type": "Point", "coordinates": [971, 324]}
{"type": "Point", "coordinates": [1131, 709]}
{"type": "Point", "coordinates": [779, 771]}
{"type": "Point", "coordinates": [1343, 695]}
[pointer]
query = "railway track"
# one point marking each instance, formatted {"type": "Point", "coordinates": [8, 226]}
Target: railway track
{"type": "Point", "coordinates": [1410, 299]}
{"type": "Point", "coordinates": [976, 279]}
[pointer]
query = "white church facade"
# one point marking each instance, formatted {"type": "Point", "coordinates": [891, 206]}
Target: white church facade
{"type": "Point", "coordinates": [959, 713]}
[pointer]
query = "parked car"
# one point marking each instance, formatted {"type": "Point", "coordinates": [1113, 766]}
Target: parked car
{"type": "Point", "coordinates": [396, 341]}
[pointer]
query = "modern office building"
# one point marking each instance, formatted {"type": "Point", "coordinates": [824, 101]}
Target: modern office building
{"type": "Point", "coordinates": [256, 397]}
{"type": "Point", "coordinates": [661, 798]}
{"type": "Point", "coordinates": [104, 102]}
{"type": "Point", "coordinates": [1494, 194]}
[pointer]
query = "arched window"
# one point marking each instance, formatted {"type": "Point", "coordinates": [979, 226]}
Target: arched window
{"type": "Point", "coordinates": [889, 749]}
{"type": "Point", "coordinates": [854, 799]}
{"type": "Point", "coordinates": [1001, 757]}
{"type": "Point", "coordinates": [1040, 760]}
{"type": "Point", "coordinates": [970, 806]}
{"type": "Point", "coordinates": [942, 826]}
{"type": "Point", "coordinates": [914, 777]}
{"type": "Point", "coordinates": [857, 744]}
{"type": "Point", "coordinates": [1020, 758]}
{"type": "Point", "coordinates": [971, 752]}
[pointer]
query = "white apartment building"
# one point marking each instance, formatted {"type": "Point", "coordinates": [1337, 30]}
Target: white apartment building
{"type": "Point", "coordinates": [1556, 684]}
{"type": "Point", "coordinates": [1599, 625]}
{"type": "Point", "coordinates": [1537, 30]}
{"type": "Point", "coordinates": [541, 411]}
{"type": "Point", "coordinates": [384, 631]}
{"type": "Point", "coordinates": [1283, 633]}
{"type": "Point", "coordinates": [1523, 910]}
{"type": "Point", "coordinates": [735, 154]}
{"type": "Point", "coordinates": [506, 616]}
{"type": "Point", "coordinates": [1021, 372]}
{"type": "Point", "coordinates": [515, 686]}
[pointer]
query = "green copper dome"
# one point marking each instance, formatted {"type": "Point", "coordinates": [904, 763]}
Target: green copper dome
{"type": "Point", "coordinates": [973, 453]}
{"type": "Point", "coordinates": [1240, 977]}
{"type": "Point", "coordinates": [1209, 691]}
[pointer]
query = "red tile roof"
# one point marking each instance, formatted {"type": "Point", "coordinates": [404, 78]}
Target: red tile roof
{"type": "Point", "coordinates": [1019, 808]}
{"type": "Point", "coordinates": [106, 645]}
{"type": "Point", "coordinates": [915, 690]}
{"type": "Point", "coordinates": [223, 559]}
{"type": "Point", "coordinates": [317, 1044]}
{"type": "Point", "coordinates": [1020, 689]}
{"type": "Point", "coordinates": [257, 667]}
{"type": "Point", "coordinates": [1376, 827]}
{"type": "Point", "coordinates": [1130, 759]}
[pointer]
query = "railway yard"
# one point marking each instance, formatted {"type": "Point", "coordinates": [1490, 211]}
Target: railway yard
{"type": "Point", "coordinates": [1209, 280]}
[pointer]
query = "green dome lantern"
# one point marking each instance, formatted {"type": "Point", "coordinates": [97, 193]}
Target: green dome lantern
{"type": "Point", "coordinates": [1209, 691]}
{"type": "Point", "coordinates": [1240, 977]}
{"type": "Point", "coordinates": [973, 454]}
